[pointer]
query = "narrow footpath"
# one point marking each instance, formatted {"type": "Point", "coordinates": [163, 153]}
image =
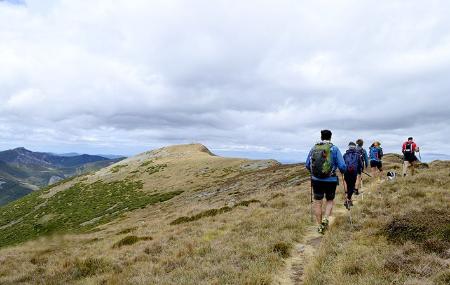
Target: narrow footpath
{"type": "Point", "coordinates": [304, 252]}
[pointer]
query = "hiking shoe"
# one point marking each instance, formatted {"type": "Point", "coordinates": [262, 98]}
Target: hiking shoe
{"type": "Point", "coordinates": [350, 203]}
{"type": "Point", "coordinates": [321, 229]}
{"type": "Point", "coordinates": [356, 192]}
{"type": "Point", "coordinates": [325, 222]}
{"type": "Point", "coordinates": [347, 204]}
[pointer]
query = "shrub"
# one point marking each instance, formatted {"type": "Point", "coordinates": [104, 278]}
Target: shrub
{"type": "Point", "coordinates": [212, 212]}
{"type": "Point", "coordinates": [80, 208]}
{"type": "Point", "coordinates": [282, 249]}
{"type": "Point", "coordinates": [89, 267]}
{"type": "Point", "coordinates": [117, 168]}
{"type": "Point", "coordinates": [147, 163]}
{"type": "Point", "coordinates": [207, 213]}
{"type": "Point", "coordinates": [351, 268]}
{"type": "Point", "coordinates": [129, 240]}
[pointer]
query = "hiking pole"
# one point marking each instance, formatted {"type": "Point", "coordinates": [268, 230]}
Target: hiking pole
{"type": "Point", "coordinates": [311, 202]}
{"type": "Point", "coordinates": [367, 174]}
{"type": "Point", "coordinates": [361, 186]}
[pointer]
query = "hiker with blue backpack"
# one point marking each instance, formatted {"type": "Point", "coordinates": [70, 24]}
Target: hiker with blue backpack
{"type": "Point", "coordinates": [323, 161]}
{"type": "Point", "coordinates": [354, 163]}
{"type": "Point", "coordinates": [375, 156]}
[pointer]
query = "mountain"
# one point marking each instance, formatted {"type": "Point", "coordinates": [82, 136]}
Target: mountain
{"type": "Point", "coordinates": [181, 215]}
{"type": "Point", "coordinates": [109, 156]}
{"type": "Point", "coordinates": [22, 156]}
{"type": "Point", "coordinates": [25, 170]}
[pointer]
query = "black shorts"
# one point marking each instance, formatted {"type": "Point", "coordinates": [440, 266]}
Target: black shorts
{"type": "Point", "coordinates": [350, 180]}
{"type": "Point", "coordinates": [322, 188]}
{"type": "Point", "coordinates": [410, 159]}
{"type": "Point", "coordinates": [377, 164]}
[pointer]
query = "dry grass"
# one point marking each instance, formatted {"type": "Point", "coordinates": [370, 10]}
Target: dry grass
{"type": "Point", "coordinates": [267, 215]}
{"type": "Point", "coordinates": [246, 245]}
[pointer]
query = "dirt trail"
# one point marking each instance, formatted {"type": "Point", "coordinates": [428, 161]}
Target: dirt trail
{"type": "Point", "coordinates": [303, 253]}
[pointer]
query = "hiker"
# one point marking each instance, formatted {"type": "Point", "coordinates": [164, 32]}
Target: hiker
{"type": "Point", "coordinates": [375, 156]}
{"type": "Point", "coordinates": [322, 162]}
{"type": "Point", "coordinates": [354, 163]}
{"type": "Point", "coordinates": [409, 150]}
{"type": "Point", "coordinates": [365, 164]}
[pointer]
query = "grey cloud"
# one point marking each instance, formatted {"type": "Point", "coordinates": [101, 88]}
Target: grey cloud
{"type": "Point", "coordinates": [266, 76]}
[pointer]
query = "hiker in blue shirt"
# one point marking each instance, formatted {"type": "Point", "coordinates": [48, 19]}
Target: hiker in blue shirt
{"type": "Point", "coordinates": [375, 156]}
{"type": "Point", "coordinates": [323, 161]}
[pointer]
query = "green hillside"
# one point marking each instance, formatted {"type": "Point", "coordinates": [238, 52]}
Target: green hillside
{"type": "Point", "coordinates": [24, 170]}
{"type": "Point", "coordinates": [12, 190]}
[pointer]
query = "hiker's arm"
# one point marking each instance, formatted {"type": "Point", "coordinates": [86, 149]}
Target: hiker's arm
{"type": "Point", "coordinates": [340, 161]}
{"type": "Point", "coordinates": [366, 158]}
{"type": "Point", "coordinates": [308, 161]}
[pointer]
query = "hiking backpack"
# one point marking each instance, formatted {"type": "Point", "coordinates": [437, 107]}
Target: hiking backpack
{"type": "Point", "coordinates": [352, 159]}
{"type": "Point", "coordinates": [321, 160]}
{"type": "Point", "coordinates": [360, 151]}
{"type": "Point", "coordinates": [374, 153]}
{"type": "Point", "coordinates": [408, 152]}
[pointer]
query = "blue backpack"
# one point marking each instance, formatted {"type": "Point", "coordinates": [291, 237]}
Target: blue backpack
{"type": "Point", "coordinates": [353, 161]}
{"type": "Point", "coordinates": [375, 153]}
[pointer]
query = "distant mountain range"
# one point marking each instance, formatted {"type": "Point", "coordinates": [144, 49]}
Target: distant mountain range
{"type": "Point", "coordinates": [22, 170]}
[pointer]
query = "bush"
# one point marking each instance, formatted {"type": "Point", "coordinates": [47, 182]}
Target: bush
{"type": "Point", "coordinates": [129, 240]}
{"type": "Point", "coordinates": [430, 228]}
{"type": "Point", "coordinates": [89, 267]}
{"type": "Point", "coordinates": [282, 249]}
{"type": "Point", "coordinates": [212, 212]}
{"type": "Point", "coordinates": [117, 168]}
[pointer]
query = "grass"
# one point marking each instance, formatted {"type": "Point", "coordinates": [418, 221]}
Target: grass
{"type": "Point", "coordinates": [78, 209]}
{"type": "Point", "coordinates": [400, 236]}
{"type": "Point", "coordinates": [234, 245]}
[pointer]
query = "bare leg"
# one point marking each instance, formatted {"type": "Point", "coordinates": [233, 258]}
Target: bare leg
{"type": "Point", "coordinates": [358, 181]}
{"type": "Point", "coordinates": [374, 172]}
{"type": "Point", "coordinates": [318, 211]}
{"type": "Point", "coordinates": [405, 168]}
{"type": "Point", "coordinates": [329, 208]}
{"type": "Point", "coordinates": [413, 167]}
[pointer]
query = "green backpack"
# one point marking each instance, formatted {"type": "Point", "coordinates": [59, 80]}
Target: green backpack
{"type": "Point", "coordinates": [321, 161]}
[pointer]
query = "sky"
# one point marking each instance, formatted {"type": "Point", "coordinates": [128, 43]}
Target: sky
{"type": "Point", "coordinates": [255, 79]}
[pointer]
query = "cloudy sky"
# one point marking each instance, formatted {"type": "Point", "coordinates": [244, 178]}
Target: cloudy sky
{"type": "Point", "coordinates": [252, 78]}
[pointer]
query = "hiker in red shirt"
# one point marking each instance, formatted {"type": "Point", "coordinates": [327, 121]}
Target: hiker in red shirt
{"type": "Point", "coordinates": [409, 150]}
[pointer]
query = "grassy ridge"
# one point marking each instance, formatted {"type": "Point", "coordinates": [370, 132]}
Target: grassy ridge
{"type": "Point", "coordinates": [401, 235]}
{"type": "Point", "coordinates": [79, 208]}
